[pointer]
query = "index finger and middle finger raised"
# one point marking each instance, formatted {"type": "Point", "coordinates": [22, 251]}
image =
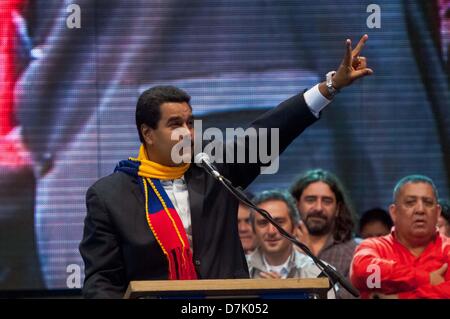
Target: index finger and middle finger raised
{"type": "Point", "coordinates": [350, 54]}
{"type": "Point", "coordinates": [360, 45]}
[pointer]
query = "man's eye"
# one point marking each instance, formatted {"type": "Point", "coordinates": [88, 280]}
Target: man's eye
{"type": "Point", "coordinates": [262, 223]}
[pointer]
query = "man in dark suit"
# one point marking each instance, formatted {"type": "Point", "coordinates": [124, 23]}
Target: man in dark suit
{"type": "Point", "coordinates": [118, 246]}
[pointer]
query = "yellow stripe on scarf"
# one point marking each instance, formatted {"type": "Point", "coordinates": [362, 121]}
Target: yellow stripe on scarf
{"type": "Point", "coordinates": [151, 169]}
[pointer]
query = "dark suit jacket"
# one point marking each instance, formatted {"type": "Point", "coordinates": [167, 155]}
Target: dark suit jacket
{"type": "Point", "coordinates": [118, 245]}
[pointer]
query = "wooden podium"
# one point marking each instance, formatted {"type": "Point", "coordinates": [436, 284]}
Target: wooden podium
{"type": "Point", "coordinates": [230, 288]}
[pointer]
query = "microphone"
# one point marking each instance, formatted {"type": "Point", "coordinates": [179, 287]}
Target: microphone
{"type": "Point", "coordinates": [203, 160]}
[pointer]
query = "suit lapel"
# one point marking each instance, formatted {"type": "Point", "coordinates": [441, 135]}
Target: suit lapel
{"type": "Point", "coordinates": [196, 183]}
{"type": "Point", "coordinates": [136, 190]}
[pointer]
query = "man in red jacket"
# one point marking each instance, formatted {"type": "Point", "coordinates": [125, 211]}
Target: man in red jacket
{"type": "Point", "coordinates": [412, 261]}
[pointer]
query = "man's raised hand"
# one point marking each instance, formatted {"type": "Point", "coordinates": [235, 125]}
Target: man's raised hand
{"type": "Point", "coordinates": [353, 66]}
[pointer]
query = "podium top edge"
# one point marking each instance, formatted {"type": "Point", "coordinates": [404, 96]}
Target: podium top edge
{"type": "Point", "coordinates": [225, 285]}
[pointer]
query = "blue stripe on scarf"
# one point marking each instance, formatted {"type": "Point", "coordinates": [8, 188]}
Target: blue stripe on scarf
{"type": "Point", "coordinates": [128, 167]}
{"type": "Point", "coordinates": [163, 193]}
{"type": "Point", "coordinates": [154, 205]}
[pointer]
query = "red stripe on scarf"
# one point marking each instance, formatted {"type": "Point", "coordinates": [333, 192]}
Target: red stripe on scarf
{"type": "Point", "coordinates": [179, 258]}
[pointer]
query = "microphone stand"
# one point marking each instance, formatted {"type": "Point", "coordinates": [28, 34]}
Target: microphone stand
{"type": "Point", "coordinates": [333, 276]}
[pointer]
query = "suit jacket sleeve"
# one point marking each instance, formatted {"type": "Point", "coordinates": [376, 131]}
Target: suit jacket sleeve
{"type": "Point", "coordinates": [100, 249]}
{"type": "Point", "coordinates": [291, 118]}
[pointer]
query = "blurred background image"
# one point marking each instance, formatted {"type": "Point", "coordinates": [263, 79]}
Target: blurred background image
{"type": "Point", "coordinates": [68, 95]}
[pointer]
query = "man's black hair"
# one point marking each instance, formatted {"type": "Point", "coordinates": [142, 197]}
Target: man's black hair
{"type": "Point", "coordinates": [375, 214]}
{"type": "Point", "coordinates": [148, 108]}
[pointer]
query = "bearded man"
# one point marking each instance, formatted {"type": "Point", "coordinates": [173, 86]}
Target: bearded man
{"type": "Point", "coordinates": [327, 219]}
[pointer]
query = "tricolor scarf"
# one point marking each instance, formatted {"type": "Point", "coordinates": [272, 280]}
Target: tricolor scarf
{"type": "Point", "coordinates": [162, 217]}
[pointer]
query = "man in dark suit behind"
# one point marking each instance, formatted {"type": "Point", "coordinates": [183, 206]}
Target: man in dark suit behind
{"type": "Point", "coordinates": [119, 246]}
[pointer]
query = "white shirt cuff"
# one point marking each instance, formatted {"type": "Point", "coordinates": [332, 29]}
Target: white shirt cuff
{"type": "Point", "coordinates": [315, 100]}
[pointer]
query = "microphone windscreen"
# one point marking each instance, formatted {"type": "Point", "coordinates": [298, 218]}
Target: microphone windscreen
{"type": "Point", "coordinates": [200, 157]}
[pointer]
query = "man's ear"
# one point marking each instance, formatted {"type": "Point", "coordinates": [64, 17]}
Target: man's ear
{"type": "Point", "coordinates": [147, 134]}
{"type": "Point", "coordinates": [393, 212]}
{"type": "Point", "coordinates": [439, 209]}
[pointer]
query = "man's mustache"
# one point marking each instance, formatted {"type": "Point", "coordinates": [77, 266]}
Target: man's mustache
{"type": "Point", "coordinates": [317, 214]}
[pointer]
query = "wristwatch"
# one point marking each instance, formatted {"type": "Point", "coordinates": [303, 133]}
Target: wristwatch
{"type": "Point", "coordinates": [331, 89]}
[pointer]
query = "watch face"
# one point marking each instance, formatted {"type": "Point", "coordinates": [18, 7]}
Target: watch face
{"type": "Point", "coordinates": [331, 90]}
{"type": "Point", "coordinates": [329, 83]}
